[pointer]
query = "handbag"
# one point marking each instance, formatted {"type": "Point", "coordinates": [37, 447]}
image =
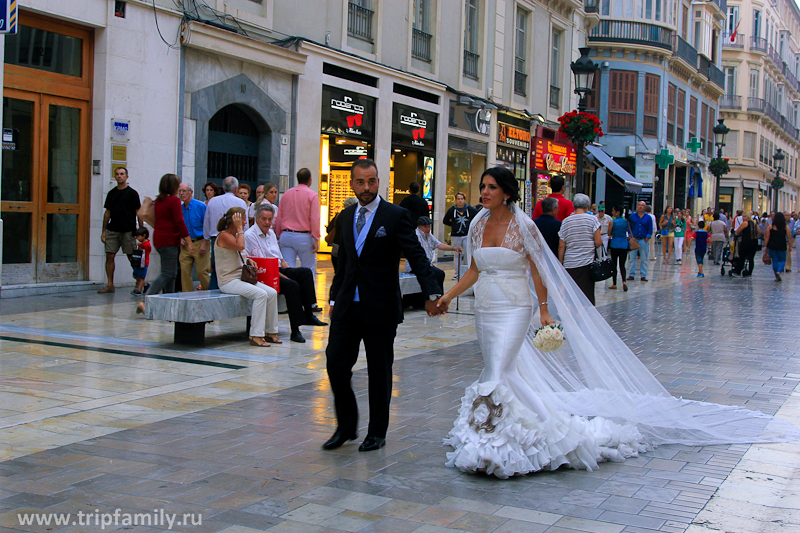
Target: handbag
{"type": "Point", "coordinates": [766, 259]}
{"type": "Point", "coordinates": [602, 267]}
{"type": "Point", "coordinates": [633, 244]}
{"type": "Point", "coordinates": [249, 272]}
{"type": "Point", "coordinates": [147, 211]}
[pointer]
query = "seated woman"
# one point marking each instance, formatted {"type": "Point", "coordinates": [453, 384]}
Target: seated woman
{"type": "Point", "coordinates": [229, 259]}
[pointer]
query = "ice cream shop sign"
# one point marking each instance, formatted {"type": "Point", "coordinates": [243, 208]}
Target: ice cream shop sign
{"type": "Point", "coordinates": [553, 157]}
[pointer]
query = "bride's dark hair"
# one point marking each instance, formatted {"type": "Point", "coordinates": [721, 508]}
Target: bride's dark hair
{"type": "Point", "coordinates": [505, 179]}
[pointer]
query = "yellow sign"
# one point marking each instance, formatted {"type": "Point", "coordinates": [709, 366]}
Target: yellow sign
{"type": "Point", "coordinates": [115, 166]}
{"type": "Point", "coordinates": [119, 153]}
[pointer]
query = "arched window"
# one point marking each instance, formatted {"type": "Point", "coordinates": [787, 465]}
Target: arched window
{"type": "Point", "coordinates": [233, 141]}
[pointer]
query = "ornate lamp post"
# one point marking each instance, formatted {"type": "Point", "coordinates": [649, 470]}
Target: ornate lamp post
{"type": "Point", "coordinates": [720, 133]}
{"type": "Point", "coordinates": [583, 69]}
{"type": "Point", "coordinates": [777, 183]}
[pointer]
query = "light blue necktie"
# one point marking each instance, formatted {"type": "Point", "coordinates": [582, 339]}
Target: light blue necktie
{"type": "Point", "coordinates": [362, 219]}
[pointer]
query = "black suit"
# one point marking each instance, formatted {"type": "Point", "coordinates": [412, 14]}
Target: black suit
{"type": "Point", "coordinates": [375, 316]}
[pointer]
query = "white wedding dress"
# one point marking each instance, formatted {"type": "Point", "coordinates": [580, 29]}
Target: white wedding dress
{"type": "Point", "coordinates": [590, 401]}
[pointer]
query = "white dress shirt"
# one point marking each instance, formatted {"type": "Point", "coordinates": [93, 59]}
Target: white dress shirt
{"type": "Point", "coordinates": [217, 207]}
{"type": "Point", "coordinates": [260, 244]}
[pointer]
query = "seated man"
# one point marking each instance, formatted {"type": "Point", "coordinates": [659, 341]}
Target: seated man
{"type": "Point", "coordinates": [296, 284]}
{"type": "Point", "coordinates": [430, 244]}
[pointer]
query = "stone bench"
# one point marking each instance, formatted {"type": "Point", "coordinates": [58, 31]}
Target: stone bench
{"type": "Point", "coordinates": [190, 311]}
{"type": "Point", "coordinates": [409, 284]}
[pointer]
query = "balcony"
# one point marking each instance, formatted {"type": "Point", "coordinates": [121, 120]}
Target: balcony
{"type": "Point", "coordinates": [471, 64]}
{"type": "Point", "coordinates": [629, 32]}
{"type": "Point", "coordinates": [685, 51]}
{"type": "Point", "coordinates": [775, 57]}
{"type": "Point", "coordinates": [790, 129]}
{"type": "Point", "coordinates": [421, 45]}
{"type": "Point", "coordinates": [722, 5]}
{"type": "Point", "coordinates": [758, 44]}
{"type": "Point", "coordinates": [520, 83]}
{"type": "Point", "coordinates": [730, 101]}
{"type": "Point", "coordinates": [715, 75]}
{"type": "Point", "coordinates": [772, 113]}
{"type": "Point", "coordinates": [555, 97]}
{"type": "Point", "coordinates": [756, 104]}
{"type": "Point", "coordinates": [790, 76]}
{"type": "Point", "coordinates": [736, 43]}
{"type": "Point", "coordinates": [359, 22]}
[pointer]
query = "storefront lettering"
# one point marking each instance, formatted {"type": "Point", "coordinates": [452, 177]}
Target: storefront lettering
{"type": "Point", "coordinates": [562, 166]}
{"type": "Point", "coordinates": [347, 105]}
{"type": "Point", "coordinates": [413, 120]}
{"type": "Point", "coordinates": [358, 150]}
{"type": "Point", "coordinates": [514, 136]}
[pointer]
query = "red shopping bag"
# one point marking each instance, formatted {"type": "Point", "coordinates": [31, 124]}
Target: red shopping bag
{"type": "Point", "coordinates": [268, 272]}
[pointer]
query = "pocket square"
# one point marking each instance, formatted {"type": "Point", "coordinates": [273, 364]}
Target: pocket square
{"type": "Point", "coordinates": [381, 232]}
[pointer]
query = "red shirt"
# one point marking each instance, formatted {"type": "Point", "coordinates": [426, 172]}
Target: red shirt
{"type": "Point", "coordinates": [170, 226]}
{"type": "Point", "coordinates": [145, 245]}
{"type": "Point", "coordinates": [565, 207]}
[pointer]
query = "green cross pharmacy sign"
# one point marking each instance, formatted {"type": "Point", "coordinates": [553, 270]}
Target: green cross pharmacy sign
{"type": "Point", "coordinates": [664, 159]}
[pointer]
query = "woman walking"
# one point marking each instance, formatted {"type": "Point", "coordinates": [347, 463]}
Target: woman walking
{"type": "Point", "coordinates": [680, 235]}
{"type": "Point", "coordinates": [618, 245]}
{"type": "Point", "coordinates": [667, 226]}
{"type": "Point", "coordinates": [690, 229]}
{"type": "Point", "coordinates": [578, 238]}
{"type": "Point", "coordinates": [775, 244]}
{"type": "Point", "coordinates": [168, 232]}
{"type": "Point", "coordinates": [747, 235]}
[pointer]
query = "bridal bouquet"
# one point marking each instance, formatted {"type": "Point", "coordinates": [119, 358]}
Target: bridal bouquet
{"type": "Point", "coordinates": [549, 338]}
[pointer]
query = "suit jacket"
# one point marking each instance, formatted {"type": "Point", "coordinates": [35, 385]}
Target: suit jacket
{"type": "Point", "coordinates": [376, 271]}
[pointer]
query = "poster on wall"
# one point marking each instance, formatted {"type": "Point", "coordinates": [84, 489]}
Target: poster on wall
{"type": "Point", "coordinates": [427, 179]}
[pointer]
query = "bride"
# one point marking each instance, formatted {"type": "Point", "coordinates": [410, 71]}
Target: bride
{"type": "Point", "coordinates": [592, 399]}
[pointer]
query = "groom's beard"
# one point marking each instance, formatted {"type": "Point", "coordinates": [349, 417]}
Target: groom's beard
{"type": "Point", "coordinates": [366, 197]}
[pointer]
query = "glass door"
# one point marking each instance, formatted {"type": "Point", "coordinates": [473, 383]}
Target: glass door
{"type": "Point", "coordinates": [45, 143]}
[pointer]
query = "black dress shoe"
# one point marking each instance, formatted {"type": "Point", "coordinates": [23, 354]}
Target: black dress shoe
{"type": "Point", "coordinates": [314, 321]}
{"type": "Point", "coordinates": [372, 443]}
{"type": "Point", "coordinates": [316, 309]}
{"type": "Point", "coordinates": [337, 440]}
{"type": "Point", "coordinates": [296, 336]}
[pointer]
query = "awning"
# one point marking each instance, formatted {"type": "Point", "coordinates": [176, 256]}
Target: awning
{"type": "Point", "coordinates": [750, 184]}
{"type": "Point", "coordinates": [612, 167]}
{"type": "Point", "coordinates": [729, 183]}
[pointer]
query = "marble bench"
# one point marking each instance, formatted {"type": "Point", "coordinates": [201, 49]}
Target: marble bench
{"type": "Point", "coordinates": [409, 284]}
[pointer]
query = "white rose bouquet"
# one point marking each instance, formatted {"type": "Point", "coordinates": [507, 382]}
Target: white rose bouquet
{"type": "Point", "coordinates": [549, 338]}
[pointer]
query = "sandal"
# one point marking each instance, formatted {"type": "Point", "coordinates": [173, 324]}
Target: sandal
{"type": "Point", "coordinates": [262, 344]}
{"type": "Point", "coordinates": [140, 308]}
{"type": "Point", "coordinates": [106, 290]}
{"type": "Point", "coordinates": [273, 338]}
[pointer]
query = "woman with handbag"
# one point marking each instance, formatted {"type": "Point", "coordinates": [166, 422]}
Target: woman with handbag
{"type": "Point", "coordinates": [776, 241]}
{"type": "Point", "coordinates": [168, 230]}
{"type": "Point", "coordinates": [578, 239]}
{"type": "Point", "coordinates": [237, 275]}
{"type": "Point", "coordinates": [747, 235]}
{"type": "Point", "coordinates": [618, 245]}
{"type": "Point", "coordinates": [667, 226]}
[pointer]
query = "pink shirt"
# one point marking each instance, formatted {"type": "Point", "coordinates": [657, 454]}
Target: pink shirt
{"type": "Point", "coordinates": [299, 211]}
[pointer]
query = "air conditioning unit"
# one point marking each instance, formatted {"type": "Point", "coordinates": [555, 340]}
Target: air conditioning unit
{"type": "Point", "coordinates": [631, 151]}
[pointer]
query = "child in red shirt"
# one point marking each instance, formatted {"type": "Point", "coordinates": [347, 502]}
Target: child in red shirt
{"type": "Point", "coordinates": [140, 271]}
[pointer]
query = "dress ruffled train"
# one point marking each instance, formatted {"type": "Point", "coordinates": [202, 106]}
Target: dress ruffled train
{"type": "Point", "coordinates": [496, 434]}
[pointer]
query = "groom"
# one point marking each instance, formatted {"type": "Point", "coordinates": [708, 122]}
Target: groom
{"type": "Point", "coordinates": [366, 302]}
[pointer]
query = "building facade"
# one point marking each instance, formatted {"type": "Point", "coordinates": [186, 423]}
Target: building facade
{"type": "Point", "coordinates": [761, 61]}
{"type": "Point", "coordinates": [435, 91]}
{"type": "Point", "coordinates": [657, 89]}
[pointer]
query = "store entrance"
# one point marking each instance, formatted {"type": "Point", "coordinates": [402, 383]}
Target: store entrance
{"type": "Point", "coordinates": [407, 167]}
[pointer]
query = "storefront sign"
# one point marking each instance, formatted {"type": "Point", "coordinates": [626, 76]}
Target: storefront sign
{"type": "Point", "coordinates": [413, 128]}
{"type": "Point", "coordinates": [474, 120]}
{"type": "Point", "coordinates": [346, 113]}
{"type": "Point", "coordinates": [8, 16]}
{"type": "Point", "coordinates": [553, 157]}
{"type": "Point", "coordinates": [513, 136]}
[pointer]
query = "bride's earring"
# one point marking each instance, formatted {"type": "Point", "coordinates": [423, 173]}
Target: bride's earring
{"type": "Point", "coordinates": [505, 201]}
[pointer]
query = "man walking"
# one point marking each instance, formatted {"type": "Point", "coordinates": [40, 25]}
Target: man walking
{"type": "Point", "coordinates": [548, 224]}
{"type": "Point", "coordinates": [119, 223]}
{"type": "Point", "coordinates": [194, 214]}
{"type": "Point", "coordinates": [296, 284]}
{"type": "Point", "coordinates": [217, 207]}
{"type": "Point", "coordinates": [642, 229]}
{"type": "Point", "coordinates": [366, 302]}
{"type": "Point", "coordinates": [297, 224]}
{"type": "Point", "coordinates": [565, 207]}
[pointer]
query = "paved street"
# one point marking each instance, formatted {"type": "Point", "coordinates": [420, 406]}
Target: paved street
{"type": "Point", "coordinates": [98, 411]}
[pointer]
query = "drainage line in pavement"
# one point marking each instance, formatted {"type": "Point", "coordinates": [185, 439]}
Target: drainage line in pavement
{"type": "Point", "coordinates": [124, 352]}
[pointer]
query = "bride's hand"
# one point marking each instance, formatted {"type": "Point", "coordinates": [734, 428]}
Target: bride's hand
{"type": "Point", "coordinates": [546, 318]}
{"type": "Point", "coordinates": [443, 304]}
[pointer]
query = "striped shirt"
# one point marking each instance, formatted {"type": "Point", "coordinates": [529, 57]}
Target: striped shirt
{"type": "Point", "coordinates": [577, 232]}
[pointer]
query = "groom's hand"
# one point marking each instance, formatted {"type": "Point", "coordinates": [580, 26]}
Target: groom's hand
{"type": "Point", "coordinates": [432, 310]}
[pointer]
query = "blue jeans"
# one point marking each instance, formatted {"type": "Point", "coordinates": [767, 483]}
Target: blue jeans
{"type": "Point", "coordinates": [778, 259]}
{"type": "Point", "coordinates": [643, 254]}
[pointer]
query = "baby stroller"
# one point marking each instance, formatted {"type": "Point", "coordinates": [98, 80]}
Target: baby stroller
{"type": "Point", "coordinates": [728, 256]}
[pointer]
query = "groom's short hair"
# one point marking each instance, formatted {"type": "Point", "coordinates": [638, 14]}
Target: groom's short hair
{"type": "Point", "coordinates": [363, 163]}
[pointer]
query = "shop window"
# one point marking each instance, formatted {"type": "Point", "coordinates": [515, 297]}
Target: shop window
{"type": "Point", "coordinates": [119, 9]}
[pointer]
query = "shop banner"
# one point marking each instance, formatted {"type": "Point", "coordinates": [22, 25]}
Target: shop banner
{"type": "Point", "coordinates": [413, 128]}
{"type": "Point", "coordinates": [347, 113]}
{"type": "Point", "coordinates": [550, 156]}
{"type": "Point", "coordinates": [465, 118]}
{"type": "Point", "coordinates": [513, 136]}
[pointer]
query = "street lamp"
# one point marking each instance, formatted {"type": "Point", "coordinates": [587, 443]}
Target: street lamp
{"type": "Point", "coordinates": [777, 183]}
{"type": "Point", "coordinates": [583, 69]}
{"type": "Point", "coordinates": [720, 132]}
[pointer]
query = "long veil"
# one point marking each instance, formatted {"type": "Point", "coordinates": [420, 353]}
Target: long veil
{"type": "Point", "coordinates": [594, 373]}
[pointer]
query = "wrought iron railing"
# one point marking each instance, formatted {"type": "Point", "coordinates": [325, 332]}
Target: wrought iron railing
{"type": "Point", "coordinates": [421, 45]}
{"type": "Point", "coordinates": [788, 127]}
{"type": "Point", "coordinates": [626, 31]}
{"type": "Point", "coordinates": [555, 97]}
{"type": "Point", "coordinates": [715, 75]}
{"type": "Point", "coordinates": [773, 113]}
{"type": "Point", "coordinates": [685, 51]}
{"type": "Point", "coordinates": [359, 21]}
{"type": "Point", "coordinates": [471, 64]}
{"type": "Point", "coordinates": [756, 104]}
{"type": "Point", "coordinates": [730, 101]}
{"type": "Point", "coordinates": [775, 57]}
{"type": "Point", "coordinates": [733, 41]}
{"type": "Point", "coordinates": [590, 6]}
{"type": "Point", "coordinates": [619, 122]}
{"type": "Point", "coordinates": [520, 83]}
{"type": "Point", "coordinates": [758, 44]}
